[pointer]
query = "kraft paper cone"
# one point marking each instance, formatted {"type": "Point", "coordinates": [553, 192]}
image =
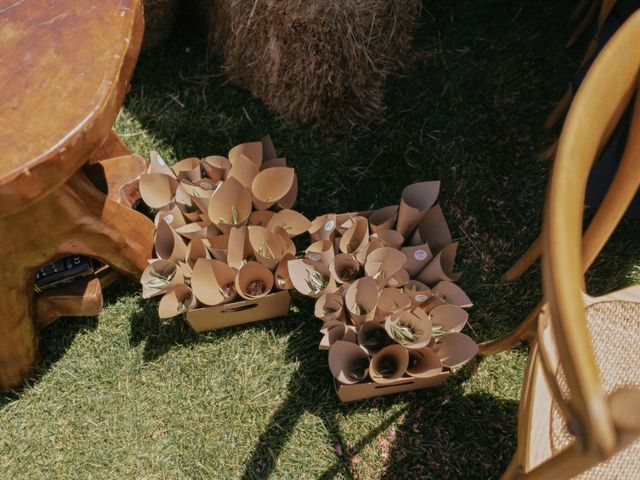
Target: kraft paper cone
{"type": "Point", "coordinates": [361, 300]}
{"type": "Point", "coordinates": [268, 149]}
{"type": "Point", "coordinates": [213, 282]}
{"type": "Point", "coordinates": [344, 268]}
{"type": "Point", "coordinates": [191, 230]}
{"type": "Point", "coordinates": [250, 273]}
{"type": "Point", "coordinates": [383, 219]}
{"type": "Point", "coordinates": [230, 197]}
{"type": "Point", "coordinates": [195, 250]}
{"type": "Point", "coordinates": [266, 246]}
{"type": "Point", "coordinates": [287, 244]}
{"type": "Point", "coordinates": [320, 251]}
{"type": "Point", "coordinates": [417, 321]}
{"type": "Point", "coordinates": [399, 279]}
{"type": "Point", "coordinates": [288, 201]}
{"type": "Point", "coordinates": [453, 294]}
{"type": "Point", "coordinates": [330, 307]}
{"type": "Point", "coordinates": [415, 200]}
{"type": "Point", "coordinates": [448, 318]}
{"type": "Point", "coordinates": [455, 349]}
{"type": "Point", "coordinates": [276, 162]}
{"type": "Point", "coordinates": [389, 364]}
{"type": "Point", "coordinates": [292, 222]}
{"type": "Point", "coordinates": [157, 190]}
{"type": "Point", "coordinates": [337, 332]}
{"type": "Point", "coordinates": [356, 236]}
{"type": "Point", "coordinates": [216, 167]}
{"type": "Point", "coordinates": [158, 165]}
{"type": "Point", "coordinates": [390, 238]}
{"type": "Point", "coordinates": [252, 151]}
{"type": "Point", "coordinates": [364, 251]}
{"type": "Point", "coordinates": [160, 277]}
{"type": "Point", "coordinates": [373, 337]}
{"type": "Point", "coordinates": [176, 302]}
{"type": "Point", "coordinates": [417, 258]}
{"type": "Point", "coordinates": [383, 263]}
{"type": "Point", "coordinates": [323, 227]}
{"type": "Point", "coordinates": [424, 363]}
{"type": "Point", "coordinates": [168, 244]}
{"type": "Point", "coordinates": [185, 203]}
{"type": "Point", "coordinates": [188, 169]}
{"type": "Point", "coordinates": [186, 271]}
{"type": "Point", "coordinates": [239, 247]}
{"type": "Point", "coordinates": [201, 194]}
{"type": "Point", "coordinates": [173, 216]}
{"type": "Point", "coordinates": [243, 170]}
{"type": "Point", "coordinates": [261, 218]}
{"type": "Point", "coordinates": [282, 278]}
{"type": "Point", "coordinates": [348, 362]}
{"type": "Point", "coordinates": [417, 291]}
{"type": "Point", "coordinates": [218, 246]}
{"type": "Point", "coordinates": [441, 267]}
{"type": "Point", "coordinates": [433, 230]}
{"type": "Point", "coordinates": [391, 300]}
{"type": "Point", "coordinates": [271, 185]}
{"type": "Point", "coordinates": [303, 274]}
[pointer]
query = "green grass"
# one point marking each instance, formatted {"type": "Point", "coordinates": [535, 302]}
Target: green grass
{"type": "Point", "coordinates": [123, 395]}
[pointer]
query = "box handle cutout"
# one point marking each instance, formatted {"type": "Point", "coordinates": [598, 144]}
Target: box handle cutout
{"type": "Point", "coordinates": [410, 382]}
{"type": "Point", "coordinates": [240, 308]}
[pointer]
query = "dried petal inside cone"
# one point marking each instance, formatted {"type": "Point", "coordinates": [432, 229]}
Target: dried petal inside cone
{"type": "Point", "coordinates": [229, 290]}
{"type": "Point", "coordinates": [256, 288]}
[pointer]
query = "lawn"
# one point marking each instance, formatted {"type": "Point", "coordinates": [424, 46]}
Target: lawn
{"type": "Point", "coordinates": [123, 395]}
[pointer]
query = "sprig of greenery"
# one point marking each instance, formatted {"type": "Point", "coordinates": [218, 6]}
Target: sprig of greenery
{"type": "Point", "coordinates": [316, 281]}
{"type": "Point", "coordinates": [160, 281]}
{"type": "Point", "coordinates": [403, 333]}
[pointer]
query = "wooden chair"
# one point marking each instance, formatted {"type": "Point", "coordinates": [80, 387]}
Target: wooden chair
{"type": "Point", "coordinates": [580, 407]}
{"type": "Point", "coordinates": [66, 67]}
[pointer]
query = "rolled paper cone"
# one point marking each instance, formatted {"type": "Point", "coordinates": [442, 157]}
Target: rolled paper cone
{"type": "Point", "coordinates": [417, 321]}
{"type": "Point", "coordinates": [329, 324]}
{"type": "Point", "coordinates": [218, 246]}
{"type": "Point", "coordinates": [320, 251]}
{"type": "Point", "coordinates": [361, 300]}
{"type": "Point", "coordinates": [251, 276]}
{"type": "Point", "coordinates": [195, 250]}
{"type": "Point", "coordinates": [350, 334]}
{"type": "Point", "coordinates": [433, 229]}
{"type": "Point", "coordinates": [158, 165]}
{"type": "Point", "coordinates": [168, 244]}
{"type": "Point", "coordinates": [276, 162]}
{"type": "Point", "coordinates": [418, 292]}
{"type": "Point", "coordinates": [389, 364]}
{"type": "Point", "coordinates": [230, 197]}
{"type": "Point", "coordinates": [212, 281]}
{"type": "Point", "coordinates": [252, 151]}
{"type": "Point", "coordinates": [188, 169]}
{"type": "Point", "coordinates": [323, 227]}
{"type": "Point", "coordinates": [453, 294]}
{"type": "Point", "coordinates": [356, 236]}
{"type": "Point", "coordinates": [302, 274]}
{"type": "Point", "coordinates": [282, 279]}
{"type": "Point", "coordinates": [200, 195]}
{"type": "Point", "coordinates": [335, 333]}
{"type": "Point", "coordinates": [448, 318]}
{"type": "Point", "coordinates": [288, 201]}
{"type": "Point", "coordinates": [441, 267]}
{"type": "Point", "coordinates": [266, 246]}
{"type": "Point", "coordinates": [330, 307]}
{"type": "Point", "coordinates": [157, 190]}
{"type": "Point", "coordinates": [243, 170]}
{"type": "Point", "coordinates": [415, 200]}
{"type": "Point", "coordinates": [173, 216]}
{"type": "Point", "coordinates": [399, 279]}
{"type": "Point", "coordinates": [261, 218]}
{"type": "Point", "coordinates": [344, 268]}
{"type": "Point", "coordinates": [390, 238]}
{"type": "Point", "coordinates": [455, 349]}
{"type": "Point", "coordinates": [364, 251]}
{"type": "Point", "coordinates": [285, 240]}
{"type": "Point", "coordinates": [348, 362]}
{"type": "Point", "coordinates": [432, 302]}
{"type": "Point", "coordinates": [216, 167]}
{"type": "Point", "coordinates": [292, 222]}
{"type": "Point", "coordinates": [383, 263]}
{"type": "Point", "coordinates": [176, 302]}
{"type": "Point", "coordinates": [268, 149]}
{"type": "Point", "coordinates": [373, 337]}
{"type": "Point", "coordinates": [191, 230]}
{"type": "Point", "coordinates": [417, 258]}
{"type": "Point", "coordinates": [184, 202]}
{"type": "Point", "coordinates": [424, 363]}
{"type": "Point", "coordinates": [239, 247]}
{"type": "Point", "coordinates": [186, 271]}
{"type": "Point", "coordinates": [383, 219]}
{"type": "Point", "coordinates": [159, 277]}
{"type": "Point", "coordinates": [271, 185]}
{"type": "Point", "coordinates": [391, 300]}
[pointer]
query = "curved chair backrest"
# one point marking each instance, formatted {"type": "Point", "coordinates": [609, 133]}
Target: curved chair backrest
{"type": "Point", "coordinates": [602, 98]}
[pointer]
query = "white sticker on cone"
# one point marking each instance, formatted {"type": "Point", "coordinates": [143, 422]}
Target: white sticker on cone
{"type": "Point", "coordinates": [421, 298]}
{"type": "Point", "coordinates": [169, 219]}
{"type": "Point", "coordinates": [420, 255]}
{"type": "Point", "coordinates": [330, 225]}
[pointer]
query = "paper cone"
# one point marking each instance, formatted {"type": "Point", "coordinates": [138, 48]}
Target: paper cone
{"type": "Point", "coordinates": [337, 332]}
{"type": "Point", "coordinates": [323, 228]}
{"type": "Point", "coordinates": [453, 294]}
{"type": "Point", "coordinates": [288, 201]}
{"type": "Point", "coordinates": [356, 236]}
{"type": "Point", "coordinates": [320, 251]}
{"type": "Point", "coordinates": [364, 251]}
{"type": "Point", "coordinates": [389, 364]}
{"type": "Point", "coordinates": [276, 162]}
{"type": "Point", "coordinates": [261, 218]}
{"type": "Point", "coordinates": [302, 273]}
{"type": "Point", "coordinates": [348, 362]}
{"type": "Point", "coordinates": [185, 203]}
{"type": "Point", "coordinates": [433, 229]}
{"type": "Point", "coordinates": [176, 302]}
{"type": "Point", "coordinates": [239, 247]}
{"type": "Point", "coordinates": [213, 282]}
{"type": "Point", "coordinates": [266, 246]}
{"type": "Point", "coordinates": [455, 349]}
{"type": "Point", "coordinates": [243, 170]}
{"type": "Point", "coordinates": [330, 307]}
{"type": "Point", "coordinates": [188, 169]}
{"type": "Point", "coordinates": [383, 219]}
{"type": "Point", "coordinates": [441, 267]}
{"type": "Point", "coordinates": [416, 320]}
{"type": "Point", "coordinates": [399, 279]}
{"type": "Point", "coordinates": [172, 216]}
{"type": "Point", "coordinates": [373, 337]}
{"type": "Point", "coordinates": [361, 300]}
{"type": "Point", "coordinates": [157, 190]}
{"type": "Point", "coordinates": [268, 149]}
{"type": "Point", "coordinates": [416, 199]}
{"type": "Point", "coordinates": [195, 250]}
{"type": "Point", "coordinates": [216, 167]}
{"type": "Point", "coordinates": [230, 197]}
{"type": "Point", "coordinates": [448, 318]}
{"type": "Point", "coordinates": [287, 244]}
{"type": "Point", "coordinates": [168, 244]}
{"type": "Point", "coordinates": [424, 363]}
{"type": "Point", "coordinates": [191, 230]}
{"type": "Point", "coordinates": [158, 165]}
{"type": "Point", "coordinates": [282, 278]}
{"type": "Point", "coordinates": [391, 300]}
{"type": "Point", "coordinates": [271, 185]}
{"type": "Point", "coordinates": [292, 222]}
{"type": "Point", "coordinates": [418, 256]}
{"type": "Point", "coordinates": [383, 263]}
{"type": "Point", "coordinates": [389, 238]}
{"type": "Point", "coordinates": [160, 276]}
{"type": "Point", "coordinates": [200, 194]}
{"type": "Point", "coordinates": [344, 268]}
{"type": "Point", "coordinates": [250, 273]}
{"type": "Point", "coordinates": [418, 292]}
{"type": "Point", "coordinates": [218, 246]}
{"type": "Point", "coordinates": [252, 151]}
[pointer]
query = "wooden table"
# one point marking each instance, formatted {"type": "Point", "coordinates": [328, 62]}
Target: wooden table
{"type": "Point", "coordinates": [65, 68]}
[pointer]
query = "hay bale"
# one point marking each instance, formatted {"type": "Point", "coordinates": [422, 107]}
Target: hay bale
{"type": "Point", "coordinates": [159, 19]}
{"type": "Point", "coordinates": [323, 63]}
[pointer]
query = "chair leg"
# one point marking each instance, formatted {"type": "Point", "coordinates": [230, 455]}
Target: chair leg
{"type": "Point", "coordinates": [584, 25]}
{"type": "Point", "coordinates": [579, 9]}
{"type": "Point", "coordinates": [525, 261]}
{"type": "Point", "coordinates": [522, 333]}
{"type": "Point", "coordinates": [549, 153]}
{"type": "Point", "coordinates": [559, 110]}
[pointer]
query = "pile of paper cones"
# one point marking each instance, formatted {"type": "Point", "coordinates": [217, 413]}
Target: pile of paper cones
{"type": "Point", "coordinates": [223, 227]}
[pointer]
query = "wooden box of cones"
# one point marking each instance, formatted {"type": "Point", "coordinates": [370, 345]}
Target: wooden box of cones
{"type": "Point", "coordinates": [223, 236]}
{"type": "Point", "coordinates": [384, 283]}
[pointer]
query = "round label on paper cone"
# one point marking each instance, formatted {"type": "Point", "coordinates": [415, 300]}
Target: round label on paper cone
{"type": "Point", "coordinates": [169, 219]}
{"type": "Point", "coordinates": [421, 298]}
{"type": "Point", "coordinates": [330, 225]}
{"type": "Point", "coordinates": [206, 186]}
{"type": "Point", "coordinates": [316, 257]}
{"type": "Point", "coordinates": [393, 282]}
{"type": "Point", "coordinates": [420, 255]}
